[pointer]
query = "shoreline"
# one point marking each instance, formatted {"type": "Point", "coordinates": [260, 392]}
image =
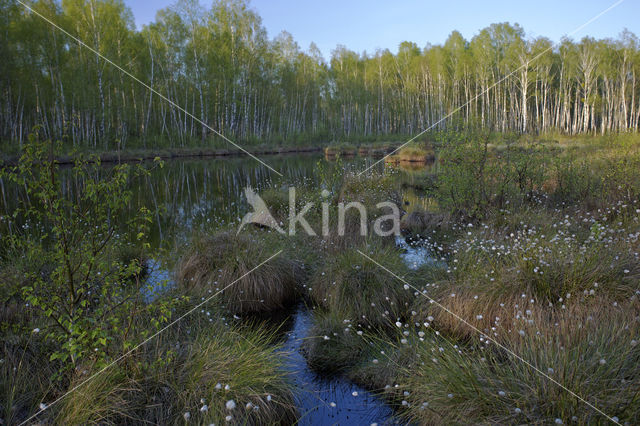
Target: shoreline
{"type": "Point", "coordinates": [167, 154]}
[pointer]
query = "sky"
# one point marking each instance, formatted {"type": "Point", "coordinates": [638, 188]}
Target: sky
{"type": "Point", "coordinates": [363, 25]}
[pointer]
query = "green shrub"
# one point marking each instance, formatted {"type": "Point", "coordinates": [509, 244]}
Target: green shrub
{"type": "Point", "coordinates": [74, 277]}
{"type": "Point", "coordinates": [474, 178]}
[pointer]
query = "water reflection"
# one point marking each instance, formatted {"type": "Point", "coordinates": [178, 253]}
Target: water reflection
{"type": "Point", "coordinates": [327, 400]}
{"type": "Point", "coordinates": [186, 194]}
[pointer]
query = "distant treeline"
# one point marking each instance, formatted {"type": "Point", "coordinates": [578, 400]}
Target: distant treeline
{"type": "Point", "coordinates": [220, 65]}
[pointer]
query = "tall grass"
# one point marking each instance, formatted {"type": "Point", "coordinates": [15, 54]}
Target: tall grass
{"type": "Point", "coordinates": [592, 352]}
{"type": "Point", "coordinates": [212, 263]}
{"type": "Point", "coordinates": [350, 284]}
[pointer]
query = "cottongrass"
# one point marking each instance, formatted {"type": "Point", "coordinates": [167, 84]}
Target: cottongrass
{"type": "Point", "coordinates": [171, 380]}
{"type": "Point", "coordinates": [587, 349]}
{"type": "Point", "coordinates": [333, 345]}
{"type": "Point", "coordinates": [350, 284]}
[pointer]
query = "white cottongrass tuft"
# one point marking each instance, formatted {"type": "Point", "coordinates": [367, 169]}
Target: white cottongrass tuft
{"type": "Point", "coordinates": [231, 404]}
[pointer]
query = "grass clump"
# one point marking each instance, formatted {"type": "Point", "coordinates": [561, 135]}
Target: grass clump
{"type": "Point", "coordinates": [368, 190]}
{"type": "Point", "coordinates": [549, 262]}
{"type": "Point", "coordinates": [212, 263]}
{"type": "Point", "coordinates": [216, 374]}
{"type": "Point", "coordinates": [415, 154]}
{"type": "Point", "coordinates": [228, 364]}
{"type": "Point", "coordinates": [590, 351]}
{"type": "Point", "coordinates": [277, 200]}
{"type": "Point", "coordinates": [350, 284]}
{"type": "Point", "coordinates": [340, 149]}
{"type": "Point", "coordinates": [333, 345]}
{"type": "Point", "coordinates": [418, 223]}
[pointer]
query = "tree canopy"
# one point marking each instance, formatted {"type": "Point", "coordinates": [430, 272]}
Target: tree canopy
{"type": "Point", "coordinates": [220, 65]}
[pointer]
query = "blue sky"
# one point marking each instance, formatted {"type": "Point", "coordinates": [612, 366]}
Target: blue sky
{"type": "Point", "coordinates": [366, 25]}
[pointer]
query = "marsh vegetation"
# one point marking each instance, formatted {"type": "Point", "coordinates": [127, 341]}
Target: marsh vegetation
{"type": "Point", "coordinates": [133, 292]}
{"type": "Point", "coordinates": [532, 243]}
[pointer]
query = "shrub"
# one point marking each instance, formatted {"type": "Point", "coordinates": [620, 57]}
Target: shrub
{"type": "Point", "coordinates": [475, 178]}
{"type": "Point", "coordinates": [74, 277]}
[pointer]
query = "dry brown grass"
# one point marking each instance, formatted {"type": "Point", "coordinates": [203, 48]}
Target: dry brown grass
{"type": "Point", "coordinates": [214, 262]}
{"type": "Point", "coordinates": [412, 154]}
{"type": "Point", "coordinates": [589, 347]}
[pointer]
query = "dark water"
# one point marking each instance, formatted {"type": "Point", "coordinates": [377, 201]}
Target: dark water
{"type": "Point", "coordinates": [187, 194]}
{"type": "Point", "coordinates": [327, 400]}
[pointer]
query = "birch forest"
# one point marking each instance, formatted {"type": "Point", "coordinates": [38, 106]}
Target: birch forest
{"type": "Point", "coordinates": [221, 66]}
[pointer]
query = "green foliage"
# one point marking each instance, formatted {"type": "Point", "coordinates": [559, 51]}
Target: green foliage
{"type": "Point", "coordinates": [608, 176]}
{"type": "Point", "coordinates": [219, 63]}
{"type": "Point", "coordinates": [475, 177]}
{"type": "Point", "coordinates": [76, 277]}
